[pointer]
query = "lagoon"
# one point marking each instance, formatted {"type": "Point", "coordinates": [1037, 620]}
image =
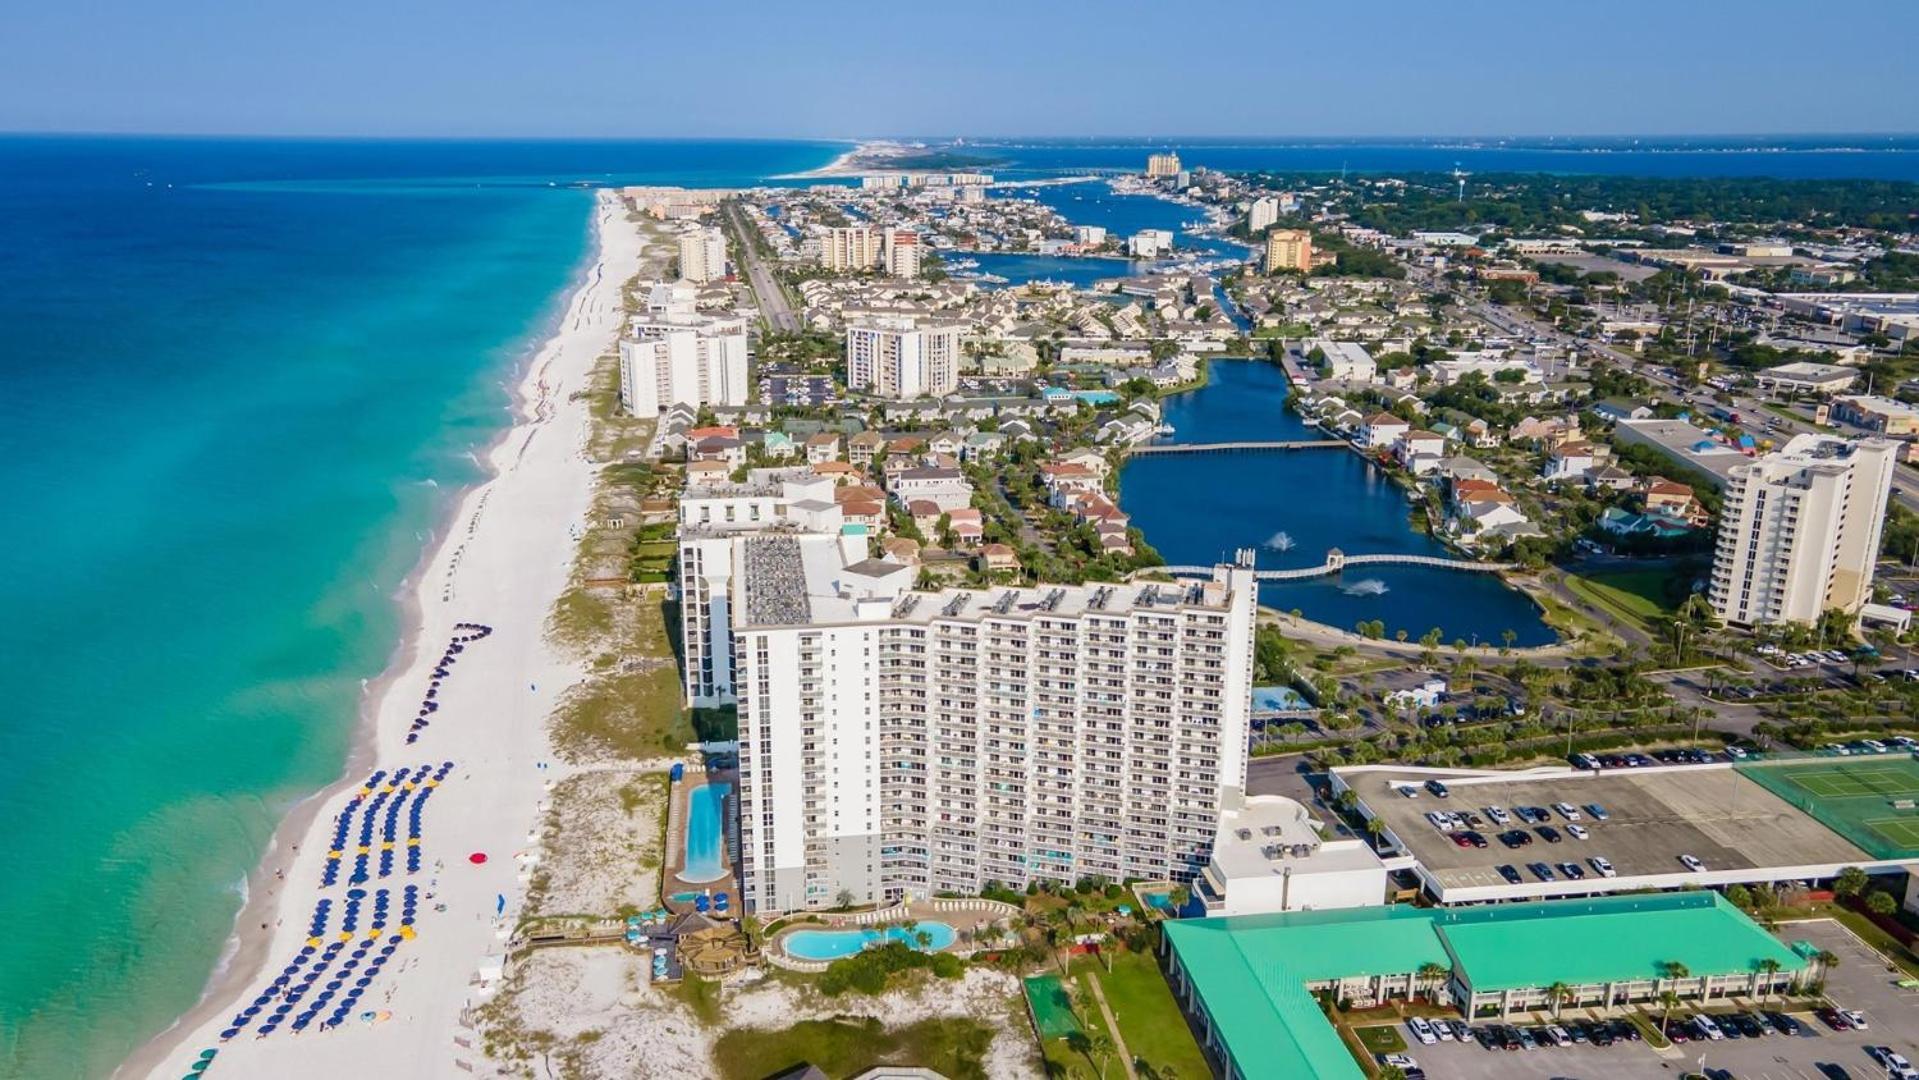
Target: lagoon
{"type": "Point", "coordinates": [1292, 507]}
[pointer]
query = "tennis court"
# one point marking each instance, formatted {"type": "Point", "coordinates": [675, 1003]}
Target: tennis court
{"type": "Point", "coordinates": [1872, 802]}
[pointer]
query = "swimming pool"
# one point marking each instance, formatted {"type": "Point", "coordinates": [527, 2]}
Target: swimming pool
{"type": "Point", "coordinates": [835, 944]}
{"type": "Point", "coordinates": [705, 833]}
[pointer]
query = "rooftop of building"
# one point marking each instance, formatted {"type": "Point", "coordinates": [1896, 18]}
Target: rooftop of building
{"type": "Point", "coordinates": [1252, 970]}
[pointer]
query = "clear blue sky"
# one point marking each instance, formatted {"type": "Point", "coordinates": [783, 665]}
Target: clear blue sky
{"type": "Point", "coordinates": [835, 68]}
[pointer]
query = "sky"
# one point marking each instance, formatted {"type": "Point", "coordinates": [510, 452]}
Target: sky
{"type": "Point", "coordinates": [838, 69]}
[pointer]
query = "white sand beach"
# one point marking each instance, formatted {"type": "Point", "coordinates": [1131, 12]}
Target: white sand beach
{"type": "Point", "coordinates": [504, 561]}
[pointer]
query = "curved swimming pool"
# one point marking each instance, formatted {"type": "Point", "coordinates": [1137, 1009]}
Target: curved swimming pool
{"type": "Point", "coordinates": [706, 833]}
{"type": "Point", "coordinates": [836, 944]}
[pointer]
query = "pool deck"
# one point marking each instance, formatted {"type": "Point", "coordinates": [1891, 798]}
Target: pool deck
{"type": "Point", "coordinates": [964, 916]}
{"type": "Point", "coordinates": [676, 818]}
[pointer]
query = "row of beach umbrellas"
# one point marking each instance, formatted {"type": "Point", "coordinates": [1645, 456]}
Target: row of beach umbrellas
{"type": "Point", "coordinates": [464, 634]}
{"type": "Point", "coordinates": [313, 967]}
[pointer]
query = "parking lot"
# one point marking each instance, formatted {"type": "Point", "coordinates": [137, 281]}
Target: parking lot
{"type": "Point", "coordinates": [1860, 981]}
{"type": "Point", "coordinates": [1653, 817]}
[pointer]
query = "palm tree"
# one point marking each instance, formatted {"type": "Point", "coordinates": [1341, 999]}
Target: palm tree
{"type": "Point", "coordinates": [1558, 994]}
{"type": "Point", "coordinates": [1827, 960]}
{"type": "Point", "coordinates": [1100, 1046]}
{"type": "Point", "coordinates": [1668, 1001]}
{"type": "Point", "coordinates": [1769, 968]}
{"type": "Point", "coordinates": [1375, 828]}
{"type": "Point", "coordinates": [1431, 974]}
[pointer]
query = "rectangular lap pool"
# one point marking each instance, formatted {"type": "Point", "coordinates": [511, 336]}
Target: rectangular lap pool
{"type": "Point", "coordinates": [706, 833]}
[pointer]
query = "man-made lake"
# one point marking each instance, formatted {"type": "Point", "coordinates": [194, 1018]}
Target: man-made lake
{"type": "Point", "coordinates": [1294, 506]}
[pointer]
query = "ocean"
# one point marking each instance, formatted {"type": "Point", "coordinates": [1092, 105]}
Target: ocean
{"type": "Point", "coordinates": [244, 380]}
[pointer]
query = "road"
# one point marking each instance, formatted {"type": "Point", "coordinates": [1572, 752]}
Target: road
{"type": "Point", "coordinates": [772, 299]}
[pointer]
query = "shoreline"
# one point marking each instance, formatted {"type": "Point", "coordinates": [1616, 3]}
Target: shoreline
{"type": "Point", "coordinates": [295, 847]}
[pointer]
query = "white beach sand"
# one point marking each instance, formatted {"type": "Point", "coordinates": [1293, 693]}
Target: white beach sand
{"type": "Point", "coordinates": [503, 563]}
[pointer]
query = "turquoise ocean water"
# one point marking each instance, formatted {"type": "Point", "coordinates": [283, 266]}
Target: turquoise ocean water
{"type": "Point", "coordinates": [242, 379]}
{"type": "Point", "coordinates": [242, 382]}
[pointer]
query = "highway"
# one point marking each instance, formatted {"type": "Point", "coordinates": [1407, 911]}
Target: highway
{"type": "Point", "coordinates": [772, 299]}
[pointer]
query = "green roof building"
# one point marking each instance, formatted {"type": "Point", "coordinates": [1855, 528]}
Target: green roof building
{"type": "Point", "coordinates": [1248, 980]}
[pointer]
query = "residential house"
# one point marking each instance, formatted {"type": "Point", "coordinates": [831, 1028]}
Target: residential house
{"type": "Point", "coordinates": [1381, 430]}
{"type": "Point", "coordinates": [863, 447]}
{"type": "Point", "coordinates": [824, 446]}
{"type": "Point", "coordinates": [1570, 461]}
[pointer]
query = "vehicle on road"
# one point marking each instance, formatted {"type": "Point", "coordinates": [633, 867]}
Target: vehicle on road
{"type": "Point", "coordinates": [1438, 789]}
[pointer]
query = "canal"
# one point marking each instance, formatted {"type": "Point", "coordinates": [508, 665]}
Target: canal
{"type": "Point", "coordinates": [1294, 506]}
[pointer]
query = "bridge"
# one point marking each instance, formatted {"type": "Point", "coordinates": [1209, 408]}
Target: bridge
{"type": "Point", "coordinates": [1237, 447]}
{"type": "Point", "coordinates": [1337, 560]}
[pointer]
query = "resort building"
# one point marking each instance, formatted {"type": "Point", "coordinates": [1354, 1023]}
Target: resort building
{"type": "Point", "coordinates": [686, 360]}
{"type": "Point", "coordinates": [1799, 532]}
{"type": "Point", "coordinates": [853, 247]}
{"type": "Point", "coordinates": [1289, 249]}
{"type": "Point", "coordinates": [786, 501]}
{"type": "Point", "coordinates": [897, 744]}
{"type": "Point", "coordinates": [1159, 165]}
{"type": "Point", "coordinates": [1264, 211]}
{"type": "Point", "coordinates": [1247, 982]}
{"type": "Point", "coordinates": [900, 358]}
{"type": "Point", "coordinates": [702, 255]}
{"type": "Point", "coordinates": [900, 253]}
{"type": "Point", "coordinates": [1268, 856]}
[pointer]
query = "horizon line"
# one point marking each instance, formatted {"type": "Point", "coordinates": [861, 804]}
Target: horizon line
{"type": "Point", "coordinates": [858, 139]}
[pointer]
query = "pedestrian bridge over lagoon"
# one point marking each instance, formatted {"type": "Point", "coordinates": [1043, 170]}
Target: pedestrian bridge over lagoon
{"type": "Point", "coordinates": [1337, 560]}
{"type": "Point", "coordinates": [1237, 447]}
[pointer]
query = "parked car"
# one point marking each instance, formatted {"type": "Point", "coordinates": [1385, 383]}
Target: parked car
{"type": "Point", "coordinates": [1567, 811]}
{"type": "Point", "coordinates": [1422, 1031]}
{"type": "Point", "coordinates": [1541, 871]}
{"type": "Point", "coordinates": [1693, 864]}
{"type": "Point", "coordinates": [1438, 789]}
{"type": "Point", "coordinates": [1782, 1023]}
{"type": "Point", "coordinates": [1515, 838]}
{"type": "Point", "coordinates": [1510, 873]}
{"type": "Point", "coordinates": [1601, 864]}
{"type": "Point", "coordinates": [1572, 870]}
{"type": "Point", "coordinates": [1833, 1019]}
{"type": "Point", "coordinates": [1854, 1017]}
{"type": "Point", "coordinates": [1498, 815]}
{"type": "Point", "coordinates": [1548, 834]}
{"type": "Point", "coordinates": [1578, 832]}
{"type": "Point", "coordinates": [1597, 811]}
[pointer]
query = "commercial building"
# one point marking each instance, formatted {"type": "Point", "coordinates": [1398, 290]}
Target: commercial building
{"type": "Point", "coordinates": [851, 247]}
{"type": "Point", "coordinates": [1804, 377]}
{"type": "Point", "coordinates": [1247, 982]}
{"type": "Point", "coordinates": [1160, 165]}
{"type": "Point", "coordinates": [1150, 243]}
{"type": "Point", "coordinates": [1347, 360]}
{"type": "Point", "coordinates": [683, 361]}
{"type": "Point", "coordinates": [1685, 444]}
{"type": "Point", "coordinates": [900, 358]}
{"type": "Point", "coordinates": [1289, 249]}
{"type": "Point", "coordinates": [1799, 531]}
{"type": "Point", "coordinates": [1885, 415]}
{"type": "Point", "coordinates": [702, 255]}
{"type": "Point", "coordinates": [898, 744]}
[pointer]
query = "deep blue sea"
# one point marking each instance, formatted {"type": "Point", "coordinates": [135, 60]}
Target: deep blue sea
{"type": "Point", "coordinates": [243, 381]}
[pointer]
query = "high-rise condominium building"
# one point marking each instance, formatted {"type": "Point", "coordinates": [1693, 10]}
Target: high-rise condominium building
{"type": "Point", "coordinates": [898, 358]}
{"type": "Point", "coordinates": [687, 360]}
{"type": "Point", "coordinates": [1158, 165]}
{"type": "Point", "coordinates": [900, 253]}
{"type": "Point", "coordinates": [785, 501]}
{"type": "Point", "coordinates": [1264, 212]}
{"type": "Point", "coordinates": [1800, 529]}
{"type": "Point", "coordinates": [1289, 249]}
{"type": "Point", "coordinates": [854, 247]}
{"type": "Point", "coordinates": [898, 744]}
{"type": "Point", "coordinates": [703, 255]}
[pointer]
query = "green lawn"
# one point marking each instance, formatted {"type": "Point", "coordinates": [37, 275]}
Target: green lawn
{"type": "Point", "coordinates": [1382, 1038]}
{"type": "Point", "coordinates": [954, 1047]}
{"type": "Point", "coordinates": [1633, 596]}
{"type": "Point", "coordinates": [1149, 1019]}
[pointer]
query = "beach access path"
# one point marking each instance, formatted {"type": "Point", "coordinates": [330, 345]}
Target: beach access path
{"type": "Point", "coordinates": [505, 559]}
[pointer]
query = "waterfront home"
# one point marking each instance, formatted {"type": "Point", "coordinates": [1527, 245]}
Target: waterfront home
{"type": "Point", "coordinates": [824, 446]}
{"type": "Point", "coordinates": [1128, 430]}
{"type": "Point", "coordinates": [707, 473]}
{"type": "Point", "coordinates": [1381, 430]}
{"type": "Point", "coordinates": [1419, 452]}
{"type": "Point", "coordinates": [1546, 432]}
{"type": "Point", "coordinates": [1460, 467]}
{"type": "Point", "coordinates": [1088, 457]}
{"type": "Point", "coordinates": [730, 450]}
{"type": "Point", "coordinates": [1063, 479]}
{"type": "Point", "coordinates": [1674, 498]}
{"type": "Point", "coordinates": [1659, 524]}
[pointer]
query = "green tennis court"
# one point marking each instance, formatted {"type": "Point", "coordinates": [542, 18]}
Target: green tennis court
{"type": "Point", "coordinates": [1052, 1008]}
{"type": "Point", "coordinates": [1873, 802]}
